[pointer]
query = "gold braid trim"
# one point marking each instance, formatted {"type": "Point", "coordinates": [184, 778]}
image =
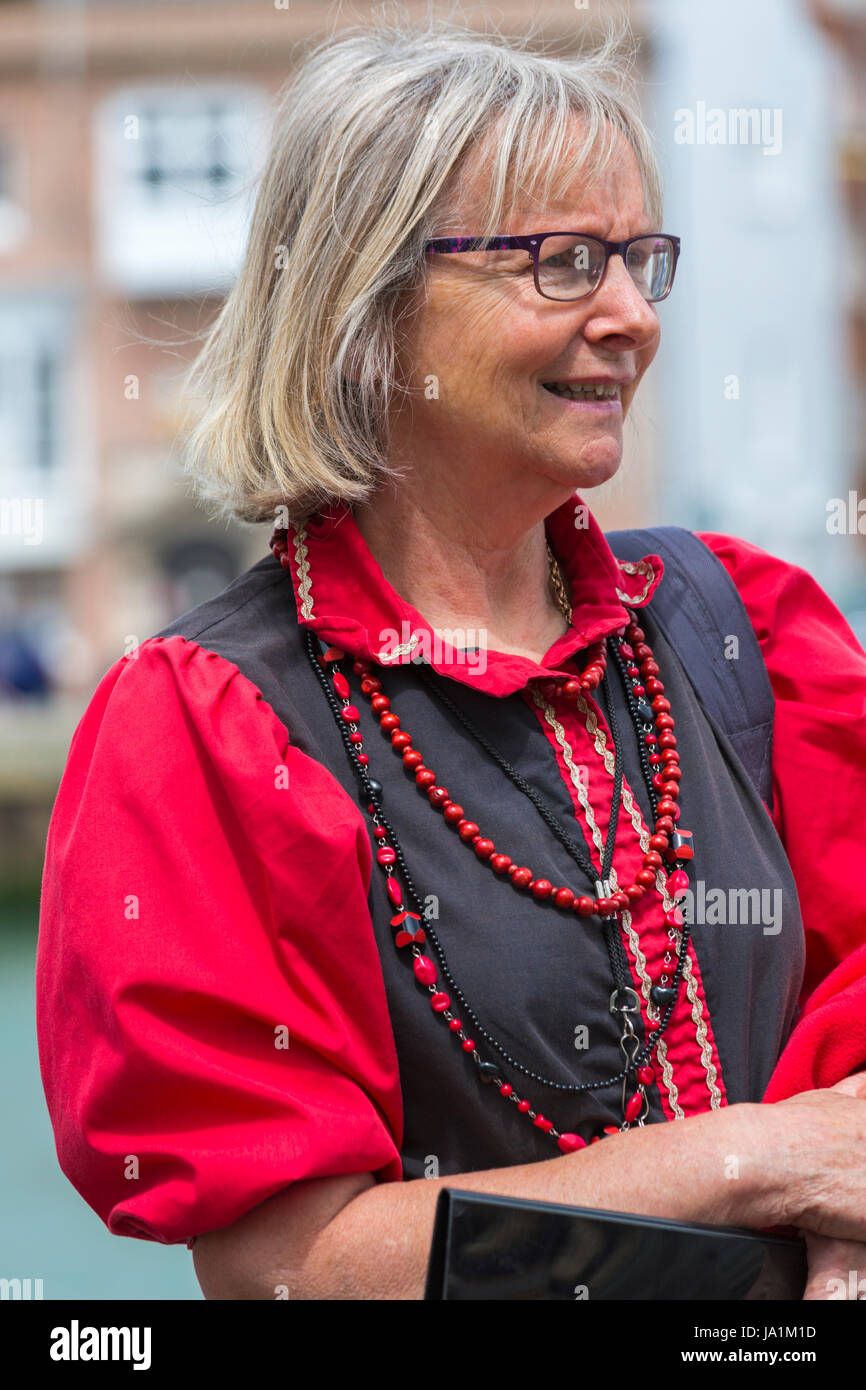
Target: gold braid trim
{"type": "Point", "coordinates": [302, 565]}
{"type": "Point", "coordinates": [599, 739]}
{"type": "Point", "coordinates": [636, 567]}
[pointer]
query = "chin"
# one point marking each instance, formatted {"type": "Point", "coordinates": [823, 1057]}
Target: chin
{"type": "Point", "coordinates": [591, 469]}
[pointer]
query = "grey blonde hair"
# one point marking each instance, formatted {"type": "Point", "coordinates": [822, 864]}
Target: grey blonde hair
{"type": "Point", "coordinates": [372, 133]}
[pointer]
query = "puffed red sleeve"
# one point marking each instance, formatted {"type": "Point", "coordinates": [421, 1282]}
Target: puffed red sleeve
{"type": "Point", "coordinates": [817, 669]}
{"type": "Point", "coordinates": [211, 1013]}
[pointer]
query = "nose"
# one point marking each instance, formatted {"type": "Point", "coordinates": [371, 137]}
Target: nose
{"type": "Point", "coordinates": [617, 306]}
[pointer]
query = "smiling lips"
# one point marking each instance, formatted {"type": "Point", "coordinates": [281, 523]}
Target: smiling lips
{"type": "Point", "coordinates": [598, 391]}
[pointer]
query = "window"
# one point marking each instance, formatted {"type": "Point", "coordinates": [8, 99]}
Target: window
{"type": "Point", "coordinates": [32, 343]}
{"type": "Point", "coordinates": [175, 177]}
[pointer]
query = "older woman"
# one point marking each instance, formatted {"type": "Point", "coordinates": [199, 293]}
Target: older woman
{"type": "Point", "coordinates": [291, 962]}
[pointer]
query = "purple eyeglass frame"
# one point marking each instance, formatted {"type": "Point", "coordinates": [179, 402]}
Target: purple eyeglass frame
{"type": "Point", "coordinates": [532, 244]}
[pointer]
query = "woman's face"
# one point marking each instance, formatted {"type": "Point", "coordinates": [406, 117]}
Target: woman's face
{"type": "Point", "coordinates": [483, 341]}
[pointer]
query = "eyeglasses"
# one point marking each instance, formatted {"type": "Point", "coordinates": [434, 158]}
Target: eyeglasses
{"type": "Point", "coordinates": [570, 265]}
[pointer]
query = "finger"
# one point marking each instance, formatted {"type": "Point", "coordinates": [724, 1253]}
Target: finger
{"type": "Point", "coordinates": [836, 1268]}
{"type": "Point", "coordinates": [852, 1086]}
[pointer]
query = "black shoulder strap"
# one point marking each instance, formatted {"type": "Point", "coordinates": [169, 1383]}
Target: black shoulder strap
{"type": "Point", "coordinates": [698, 608]}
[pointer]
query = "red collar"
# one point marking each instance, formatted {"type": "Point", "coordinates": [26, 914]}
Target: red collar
{"type": "Point", "coordinates": [343, 596]}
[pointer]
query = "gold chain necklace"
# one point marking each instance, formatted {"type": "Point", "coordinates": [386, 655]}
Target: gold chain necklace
{"type": "Point", "coordinates": [559, 589]}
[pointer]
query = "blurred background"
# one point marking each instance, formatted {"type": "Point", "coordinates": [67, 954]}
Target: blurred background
{"type": "Point", "coordinates": [131, 136]}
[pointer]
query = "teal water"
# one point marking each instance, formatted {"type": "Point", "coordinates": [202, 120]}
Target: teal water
{"type": "Point", "coordinates": [47, 1231]}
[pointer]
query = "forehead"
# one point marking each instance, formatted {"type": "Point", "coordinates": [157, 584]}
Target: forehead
{"type": "Point", "coordinates": [610, 201]}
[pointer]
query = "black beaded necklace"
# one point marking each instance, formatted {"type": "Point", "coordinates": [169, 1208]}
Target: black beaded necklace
{"type": "Point", "coordinates": [623, 1000]}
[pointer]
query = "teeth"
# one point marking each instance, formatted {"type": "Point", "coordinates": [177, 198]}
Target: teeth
{"type": "Point", "coordinates": [582, 393]}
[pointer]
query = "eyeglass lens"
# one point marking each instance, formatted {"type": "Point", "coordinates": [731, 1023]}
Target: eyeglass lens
{"type": "Point", "coordinates": [570, 267]}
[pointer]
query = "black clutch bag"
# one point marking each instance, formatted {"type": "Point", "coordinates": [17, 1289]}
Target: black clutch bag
{"type": "Point", "coordinates": [491, 1247]}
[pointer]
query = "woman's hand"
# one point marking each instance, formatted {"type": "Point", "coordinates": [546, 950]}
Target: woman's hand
{"type": "Point", "coordinates": [837, 1268]}
{"type": "Point", "coordinates": [828, 1180]}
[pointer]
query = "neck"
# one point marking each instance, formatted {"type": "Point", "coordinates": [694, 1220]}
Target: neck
{"type": "Point", "coordinates": [467, 572]}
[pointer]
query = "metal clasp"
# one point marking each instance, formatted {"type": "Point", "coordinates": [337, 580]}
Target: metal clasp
{"type": "Point", "coordinates": [624, 1008]}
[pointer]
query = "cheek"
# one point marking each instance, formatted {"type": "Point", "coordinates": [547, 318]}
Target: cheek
{"type": "Point", "coordinates": [481, 339]}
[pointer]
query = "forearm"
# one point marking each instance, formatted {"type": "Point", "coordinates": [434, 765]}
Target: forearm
{"type": "Point", "coordinates": [700, 1169]}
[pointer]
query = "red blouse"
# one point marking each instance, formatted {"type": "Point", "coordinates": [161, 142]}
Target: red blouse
{"type": "Point", "coordinates": [184, 909]}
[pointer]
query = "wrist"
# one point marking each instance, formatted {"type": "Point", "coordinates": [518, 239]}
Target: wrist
{"type": "Point", "coordinates": [772, 1158]}
{"type": "Point", "coordinates": [742, 1149]}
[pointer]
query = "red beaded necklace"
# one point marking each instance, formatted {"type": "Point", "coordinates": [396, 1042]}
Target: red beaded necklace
{"type": "Point", "coordinates": [662, 773]}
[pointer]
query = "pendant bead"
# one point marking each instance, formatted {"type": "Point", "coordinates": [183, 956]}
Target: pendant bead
{"type": "Point", "coordinates": [425, 970]}
{"type": "Point", "coordinates": [663, 996]}
{"type": "Point", "coordinates": [634, 1107]}
{"type": "Point", "coordinates": [489, 1073]}
{"type": "Point", "coordinates": [570, 1143]}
